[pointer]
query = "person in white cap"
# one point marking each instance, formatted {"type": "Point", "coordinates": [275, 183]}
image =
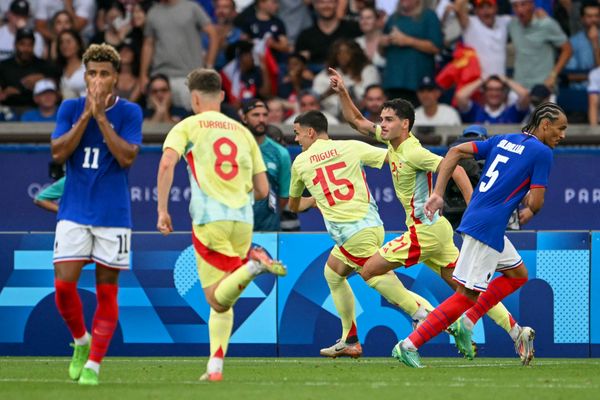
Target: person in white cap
{"type": "Point", "coordinates": [46, 97]}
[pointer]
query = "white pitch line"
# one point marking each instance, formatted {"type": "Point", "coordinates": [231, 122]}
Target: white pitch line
{"type": "Point", "coordinates": [458, 363]}
{"type": "Point", "coordinates": [541, 386]}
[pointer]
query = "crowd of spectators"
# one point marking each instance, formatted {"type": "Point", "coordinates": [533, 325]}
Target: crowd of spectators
{"type": "Point", "coordinates": [458, 61]}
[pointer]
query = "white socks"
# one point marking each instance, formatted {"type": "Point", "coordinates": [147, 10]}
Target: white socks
{"type": "Point", "coordinates": [514, 332]}
{"type": "Point", "coordinates": [215, 364]}
{"type": "Point", "coordinates": [85, 339]}
{"type": "Point", "coordinates": [93, 365]}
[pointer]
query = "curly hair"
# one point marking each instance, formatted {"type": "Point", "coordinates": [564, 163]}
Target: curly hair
{"type": "Point", "coordinates": [102, 53]}
{"type": "Point", "coordinates": [357, 58]}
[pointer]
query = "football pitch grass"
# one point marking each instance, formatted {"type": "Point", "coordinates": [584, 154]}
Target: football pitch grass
{"type": "Point", "coordinates": [306, 378]}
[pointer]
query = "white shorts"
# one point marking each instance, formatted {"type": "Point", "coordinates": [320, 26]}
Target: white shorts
{"type": "Point", "coordinates": [104, 245]}
{"type": "Point", "coordinates": [477, 263]}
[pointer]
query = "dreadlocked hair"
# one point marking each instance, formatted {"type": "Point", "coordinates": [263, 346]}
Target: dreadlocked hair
{"type": "Point", "coordinates": [546, 110]}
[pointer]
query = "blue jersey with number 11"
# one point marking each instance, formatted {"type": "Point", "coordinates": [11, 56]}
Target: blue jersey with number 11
{"type": "Point", "coordinates": [97, 191]}
{"type": "Point", "coordinates": [514, 164]}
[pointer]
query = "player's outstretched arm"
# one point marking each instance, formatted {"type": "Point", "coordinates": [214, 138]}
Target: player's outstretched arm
{"type": "Point", "coordinates": [301, 204]}
{"type": "Point", "coordinates": [351, 113]}
{"type": "Point", "coordinates": [166, 169]}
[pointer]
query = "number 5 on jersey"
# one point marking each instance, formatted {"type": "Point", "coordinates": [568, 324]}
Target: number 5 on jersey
{"type": "Point", "coordinates": [340, 182]}
{"type": "Point", "coordinates": [492, 173]}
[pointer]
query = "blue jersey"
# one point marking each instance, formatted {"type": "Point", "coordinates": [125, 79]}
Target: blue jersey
{"type": "Point", "coordinates": [514, 164]}
{"type": "Point", "coordinates": [97, 191]}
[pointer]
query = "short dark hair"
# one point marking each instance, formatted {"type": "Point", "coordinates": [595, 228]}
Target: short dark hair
{"type": "Point", "coordinates": [313, 119]}
{"type": "Point", "coordinates": [403, 109]}
{"type": "Point", "coordinates": [374, 86]}
{"type": "Point", "coordinates": [161, 77]}
{"type": "Point", "coordinates": [204, 80]}
{"type": "Point", "coordinates": [585, 4]}
{"type": "Point", "coordinates": [498, 79]}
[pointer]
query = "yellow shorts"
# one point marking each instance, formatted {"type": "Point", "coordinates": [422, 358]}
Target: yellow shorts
{"type": "Point", "coordinates": [432, 245]}
{"type": "Point", "coordinates": [356, 251]}
{"type": "Point", "coordinates": [221, 247]}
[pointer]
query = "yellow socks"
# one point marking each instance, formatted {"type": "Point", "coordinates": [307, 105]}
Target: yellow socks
{"type": "Point", "coordinates": [501, 316]}
{"type": "Point", "coordinates": [219, 330]}
{"type": "Point", "coordinates": [343, 298]}
{"type": "Point", "coordinates": [230, 288]}
{"type": "Point", "coordinates": [394, 291]}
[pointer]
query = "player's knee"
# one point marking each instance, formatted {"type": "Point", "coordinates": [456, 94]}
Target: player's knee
{"type": "Point", "coordinates": [366, 272]}
{"type": "Point", "coordinates": [213, 303]}
{"type": "Point", "coordinates": [468, 293]}
{"type": "Point", "coordinates": [520, 273]}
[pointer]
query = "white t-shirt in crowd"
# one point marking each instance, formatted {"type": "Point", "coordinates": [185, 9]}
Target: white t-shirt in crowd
{"type": "Point", "coordinates": [74, 85]}
{"type": "Point", "coordinates": [45, 10]}
{"type": "Point", "coordinates": [445, 115]}
{"type": "Point", "coordinates": [7, 44]}
{"type": "Point", "coordinates": [594, 81]}
{"type": "Point", "coordinates": [490, 43]}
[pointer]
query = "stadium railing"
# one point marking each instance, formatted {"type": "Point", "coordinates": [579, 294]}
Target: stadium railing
{"type": "Point", "coordinates": [577, 134]}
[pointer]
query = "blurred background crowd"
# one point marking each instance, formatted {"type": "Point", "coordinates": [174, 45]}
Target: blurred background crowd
{"type": "Point", "coordinates": [458, 61]}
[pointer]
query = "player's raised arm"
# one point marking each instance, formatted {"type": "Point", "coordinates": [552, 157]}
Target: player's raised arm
{"type": "Point", "coordinates": [445, 171]}
{"type": "Point", "coordinates": [166, 169]}
{"type": "Point", "coordinates": [123, 151]}
{"type": "Point", "coordinates": [351, 113]}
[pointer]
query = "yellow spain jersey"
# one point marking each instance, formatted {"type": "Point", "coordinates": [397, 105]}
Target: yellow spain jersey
{"type": "Point", "coordinates": [222, 157]}
{"type": "Point", "coordinates": [412, 168]}
{"type": "Point", "coordinates": [332, 171]}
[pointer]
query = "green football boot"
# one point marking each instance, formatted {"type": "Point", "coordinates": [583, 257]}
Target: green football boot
{"type": "Point", "coordinates": [410, 358]}
{"type": "Point", "coordinates": [80, 356]}
{"type": "Point", "coordinates": [462, 337]}
{"type": "Point", "coordinates": [88, 377]}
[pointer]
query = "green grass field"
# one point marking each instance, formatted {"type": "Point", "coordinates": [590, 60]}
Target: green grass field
{"type": "Point", "coordinates": [306, 378]}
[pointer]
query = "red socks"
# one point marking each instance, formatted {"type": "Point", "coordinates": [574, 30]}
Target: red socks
{"type": "Point", "coordinates": [352, 336]}
{"type": "Point", "coordinates": [105, 320]}
{"type": "Point", "coordinates": [69, 306]}
{"type": "Point", "coordinates": [498, 289]}
{"type": "Point", "coordinates": [441, 318]}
